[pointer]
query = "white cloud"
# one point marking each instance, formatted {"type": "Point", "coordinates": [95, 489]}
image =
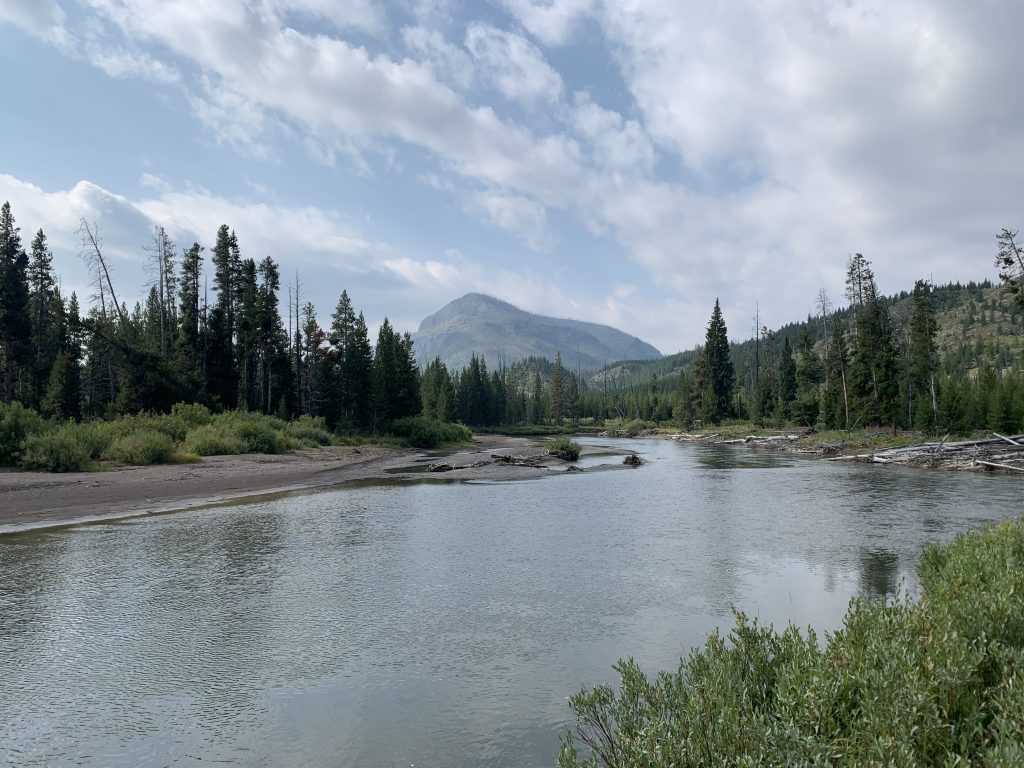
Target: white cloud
{"type": "Point", "coordinates": [551, 21]}
{"type": "Point", "coordinates": [515, 66]}
{"type": "Point", "coordinates": [519, 215]}
{"type": "Point", "coordinates": [761, 141]}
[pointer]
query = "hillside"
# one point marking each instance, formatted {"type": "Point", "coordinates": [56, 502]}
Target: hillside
{"type": "Point", "coordinates": [503, 333]}
{"type": "Point", "coordinates": [977, 323]}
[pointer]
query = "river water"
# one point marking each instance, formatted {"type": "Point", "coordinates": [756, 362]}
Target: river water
{"type": "Point", "coordinates": [434, 624]}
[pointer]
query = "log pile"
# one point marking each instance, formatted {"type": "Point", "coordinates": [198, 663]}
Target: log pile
{"type": "Point", "coordinates": [1001, 453]}
{"type": "Point", "coordinates": [534, 460]}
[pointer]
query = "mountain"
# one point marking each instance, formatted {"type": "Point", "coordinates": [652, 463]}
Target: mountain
{"type": "Point", "coordinates": [500, 331]}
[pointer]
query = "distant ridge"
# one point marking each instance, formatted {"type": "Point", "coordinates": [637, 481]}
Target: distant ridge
{"type": "Point", "coordinates": [499, 331]}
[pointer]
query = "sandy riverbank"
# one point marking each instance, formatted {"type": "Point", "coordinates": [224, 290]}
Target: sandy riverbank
{"type": "Point", "coordinates": [31, 500]}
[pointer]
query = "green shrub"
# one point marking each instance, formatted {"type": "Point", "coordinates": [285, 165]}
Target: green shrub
{"type": "Point", "coordinates": [308, 431]}
{"type": "Point", "coordinates": [143, 446]}
{"type": "Point", "coordinates": [564, 448]}
{"type": "Point", "coordinates": [60, 450]}
{"type": "Point", "coordinates": [421, 432]}
{"type": "Point", "coordinates": [628, 427]}
{"type": "Point", "coordinates": [191, 414]}
{"type": "Point", "coordinates": [210, 440]}
{"type": "Point", "coordinates": [96, 436]}
{"type": "Point", "coordinates": [937, 681]}
{"type": "Point", "coordinates": [260, 437]}
{"type": "Point", "coordinates": [16, 424]}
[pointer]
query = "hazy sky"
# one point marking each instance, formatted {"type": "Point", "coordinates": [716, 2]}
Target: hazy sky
{"type": "Point", "coordinates": [622, 162]}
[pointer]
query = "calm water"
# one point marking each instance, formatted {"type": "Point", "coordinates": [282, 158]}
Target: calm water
{"type": "Point", "coordinates": [433, 624]}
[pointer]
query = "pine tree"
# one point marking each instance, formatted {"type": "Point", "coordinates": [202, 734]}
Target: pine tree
{"type": "Point", "coordinates": [923, 357]}
{"type": "Point", "coordinates": [787, 380]}
{"type": "Point", "coordinates": [221, 373]}
{"type": "Point", "coordinates": [1010, 261]}
{"type": "Point", "coordinates": [558, 410]}
{"type": "Point", "coordinates": [44, 306]}
{"type": "Point", "coordinates": [15, 315]}
{"type": "Point", "coordinates": [718, 369]}
{"type": "Point", "coordinates": [809, 375]}
{"type": "Point", "coordinates": [189, 347]}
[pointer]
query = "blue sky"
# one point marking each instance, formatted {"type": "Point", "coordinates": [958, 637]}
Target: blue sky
{"type": "Point", "coordinates": [624, 162]}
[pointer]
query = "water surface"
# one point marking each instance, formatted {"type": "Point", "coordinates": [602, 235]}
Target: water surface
{"type": "Point", "coordinates": [422, 624]}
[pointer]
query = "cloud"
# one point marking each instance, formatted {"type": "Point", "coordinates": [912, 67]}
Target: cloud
{"type": "Point", "coordinates": [550, 21]}
{"type": "Point", "coordinates": [514, 65]}
{"type": "Point", "coordinates": [755, 145]}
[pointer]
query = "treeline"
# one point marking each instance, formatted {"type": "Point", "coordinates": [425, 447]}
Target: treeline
{"type": "Point", "coordinates": [231, 350]}
{"type": "Point", "coordinates": [866, 370]}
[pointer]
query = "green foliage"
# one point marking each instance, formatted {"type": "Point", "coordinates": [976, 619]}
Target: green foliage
{"type": "Point", "coordinates": [717, 370]}
{"type": "Point", "coordinates": [16, 423]}
{"type": "Point", "coordinates": [59, 450]}
{"type": "Point", "coordinates": [421, 432]}
{"type": "Point", "coordinates": [628, 427]}
{"type": "Point", "coordinates": [210, 440]}
{"type": "Point", "coordinates": [142, 447]}
{"type": "Point", "coordinates": [564, 448]}
{"type": "Point", "coordinates": [308, 431]}
{"type": "Point", "coordinates": [191, 414]}
{"type": "Point", "coordinates": [939, 681]}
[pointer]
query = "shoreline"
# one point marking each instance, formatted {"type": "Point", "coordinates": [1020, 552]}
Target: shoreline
{"type": "Point", "coordinates": [35, 500]}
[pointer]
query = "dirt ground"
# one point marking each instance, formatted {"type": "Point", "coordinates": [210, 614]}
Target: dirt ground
{"type": "Point", "coordinates": [39, 500]}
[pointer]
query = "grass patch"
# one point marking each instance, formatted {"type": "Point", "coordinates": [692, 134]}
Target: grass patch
{"type": "Point", "coordinates": [564, 448]}
{"type": "Point", "coordinates": [936, 681]}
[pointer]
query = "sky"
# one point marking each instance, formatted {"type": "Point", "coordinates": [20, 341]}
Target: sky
{"type": "Point", "coordinates": [621, 162]}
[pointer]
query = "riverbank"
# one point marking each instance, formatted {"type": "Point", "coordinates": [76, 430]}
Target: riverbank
{"type": "Point", "coordinates": [31, 500]}
{"type": "Point", "coordinates": [991, 453]}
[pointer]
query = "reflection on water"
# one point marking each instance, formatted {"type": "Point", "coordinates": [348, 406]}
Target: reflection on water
{"type": "Point", "coordinates": [879, 573]}
{"type": "Point", "coordinates": [433, 624]}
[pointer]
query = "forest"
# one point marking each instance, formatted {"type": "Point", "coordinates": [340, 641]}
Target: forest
{"type": "Point", "coordinates": [228, 345]}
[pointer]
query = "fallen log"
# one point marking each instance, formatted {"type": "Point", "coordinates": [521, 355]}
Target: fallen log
{"type": "Point", "coordinates": [999, 466]}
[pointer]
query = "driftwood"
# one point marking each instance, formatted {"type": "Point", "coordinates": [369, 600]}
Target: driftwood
{"type": "Point", "coordinates": [633, 460]}
{"type": "Point", "coordinates": [536, 460]}
{"type": "Point", "coordinates": [1003, 453]}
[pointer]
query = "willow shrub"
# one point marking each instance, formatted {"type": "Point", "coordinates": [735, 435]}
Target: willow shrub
{"type": "Point", "coordinates": [564, 448]}
{"type": "Point", "coordinates": [933, 682]}
{"type": "Point", "coordinates": [421, 432]}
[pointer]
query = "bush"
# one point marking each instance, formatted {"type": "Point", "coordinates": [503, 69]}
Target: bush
{"type": "Point", "coordinates": [308, 431]}
{"type": "Point", "coordinates": [16, 424]}
{"type": "Point", "coordinates": [191, 414]}
{"type": "Point", "coordinates": [564, 448]}
{"type": "Point", "coordinates": [939, 681]}
{"type": "Point", "coordinates": [60, 450]}
{"type": "Point", "coordinates": [260, 437]}
{"type": "Point", "coordinates": [143, 446]}
{"type": "Point", "coordinates": [628, 428]}
{"type": "Point", "coordinates": [421, 432]}
{"type": "Point", "coordinates": [210, 440]}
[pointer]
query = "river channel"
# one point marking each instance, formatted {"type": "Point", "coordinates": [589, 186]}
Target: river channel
{"type": "Point", "coordinates": [434, 624]}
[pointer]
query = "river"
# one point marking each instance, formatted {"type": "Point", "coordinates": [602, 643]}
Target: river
{"type": "Point", "coordinates": [434, 624]}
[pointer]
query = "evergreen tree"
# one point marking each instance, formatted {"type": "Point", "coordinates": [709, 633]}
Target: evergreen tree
{"type": "Point", "coordinates": [787, 380]}
{"type": "Point", "coordinates": [1010, 261]}
{"type": "Point", "coordinates": [923, 357]}
{"type": "Point", "coordinates": [437, 393]}
{"type": "Point", "coordinates": [189, 347]}
{"type": "Point", "coordinates": [536, 400]}
{"type": "Point", "coordinates": [558, 409]}
{"type": "Point", "coordinates": [835, 408]}
{"type": "Point", "coordinates": [44, 308]}
{"type": "Point", "coordinates": [718, 369]}
{"type": "Point", "coordinates": [220, 371]}
{"type": "Point", "coordinates": [15, 315]}
{"type": "Point", "coordinates": [809, 375]}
